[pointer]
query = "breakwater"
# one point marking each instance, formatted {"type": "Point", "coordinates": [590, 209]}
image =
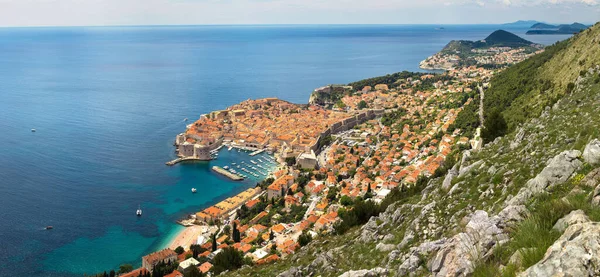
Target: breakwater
{"type": "Point", "coordinates": [227, 174]}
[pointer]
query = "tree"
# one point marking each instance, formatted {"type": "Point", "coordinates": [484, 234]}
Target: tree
{"type": "Point", "coordinates": [227, 228]}
{"type": "Point", "coordinates": [193, 271]}
{"type": "Point", "coordinates": [111, 273]}
{"type": "Point", "coordinates": [361, 105]}
{"type": "Point", "coordinates": [304, 238]}
{"type": "Point", "coordinates": [495, 126]}
{"type": "Point", "coordinates": [346, 200]}
{"type": "Point", "coordinates": [332, 193]}
{"type": "Point", "coordinates": [228, 259]}
{"type": "Point", "coordinates": [179, 250]}
{"type": "Point", "coordinates": [570, 87]}
{"type": "Point", "coordinates": [124, 268]}
{"type": "Point", "coordinates": [236, 233]}
{"type": "Point", "coordinates": [369, 194]}
{"type": "Point", "coordinates": [214, 242]}
{"type": "Point", "coordinates": [271, 235]}
{"type": "Point", "coordinates": [290, 161]}
{"type": "Point", "coordinates": [196, 250]}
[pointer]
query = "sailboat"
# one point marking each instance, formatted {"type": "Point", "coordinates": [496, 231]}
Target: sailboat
{"type": "Point", "coordinates": [139, 211]}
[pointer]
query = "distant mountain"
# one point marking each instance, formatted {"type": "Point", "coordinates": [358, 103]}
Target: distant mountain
{"type": "Point", "coordinates": [521, 23]}
{"type": "Point", "coordinates": [563, 29]}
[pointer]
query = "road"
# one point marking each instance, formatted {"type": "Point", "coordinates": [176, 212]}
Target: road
{"type": "Point", "coordinates": [482, 95]}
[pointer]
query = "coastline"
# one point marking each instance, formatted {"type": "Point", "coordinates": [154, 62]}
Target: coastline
{"type": "Point", "coordinates": [186, 235]}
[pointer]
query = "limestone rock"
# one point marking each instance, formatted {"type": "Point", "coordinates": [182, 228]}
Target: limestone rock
{"type": "Point", "coordinates": [558, 170]}
{"type": "Point", "coordinates": [411, 264]}
{"type": "Point", "coordinates": [466, 169]}
{"type": "Point", "coordinates": [518, 138]}
{"type": "Point", "coordinates": [572, 218]}
{"type": "Point", "coordinates": [575, 253]}
{"type": "Point", "coordinates": [596, 196]}
{"type": "Point", "coordinates": [291, 272]}
{"type": "Point", "coordinates": [385, 247]}
{"type": "Point", "coordinates": [592, 179]}
{"type": "Point", "coordinates": [458, 255]}
{"type": "Point", "coordinates": [511, 215]}
{"type": "Point", "coordinates": [591, 153]}
{"type": "Point", "coordinates": [378, 271]}
{"type": "Point", "coordinates": [452, 173]}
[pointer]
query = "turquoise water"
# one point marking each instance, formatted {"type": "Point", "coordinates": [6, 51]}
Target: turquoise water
{"type": "Point", "coordinates": [108, 102]}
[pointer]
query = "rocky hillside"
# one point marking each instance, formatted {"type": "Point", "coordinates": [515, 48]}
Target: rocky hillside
{"type": "Point", "coordinates": [526, 204]}
{"type": "Point", "coordinates": [522, 91]}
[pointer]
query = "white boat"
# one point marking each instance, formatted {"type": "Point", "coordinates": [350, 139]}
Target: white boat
{"type": "Point", "coordinates": [185, 119]}
{"type": "Point", "coordinates": [33, 130]}
{"type": "Point", "coordinates": [252, 161]}
{"type": "Point", "coordinates": [193, 190]}
{"type": "Point", "coordinates": [226, 167]}
{"type": "Point", "coordinates": [229, 149]}
{"type": "Point", "coordinates": [139, 211]}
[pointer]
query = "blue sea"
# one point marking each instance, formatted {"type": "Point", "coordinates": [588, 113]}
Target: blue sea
{"type": "Point", "coordinates": [107, 103]}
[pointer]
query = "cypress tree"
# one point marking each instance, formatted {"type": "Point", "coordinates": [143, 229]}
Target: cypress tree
{"type": "Point", "coordinates": [214, 242]}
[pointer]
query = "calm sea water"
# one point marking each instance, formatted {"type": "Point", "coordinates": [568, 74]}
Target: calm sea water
{"type": "Point", "coordinates": [107, 103]}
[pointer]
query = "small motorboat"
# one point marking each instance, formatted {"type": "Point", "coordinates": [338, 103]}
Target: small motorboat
{"type": "Point", "coordinates": [193, 190]}
{"type": "Point", "coordinates": [226, 167]}
{"type": "Point", "coordinates": [49, 227]}
{"type": "Point", "coordinates": [33, 130]}
{"type": "Point", "coordinates": [139, 211]}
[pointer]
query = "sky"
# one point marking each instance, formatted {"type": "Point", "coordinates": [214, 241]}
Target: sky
{"type": "Point", "coordinates": [15, 13]}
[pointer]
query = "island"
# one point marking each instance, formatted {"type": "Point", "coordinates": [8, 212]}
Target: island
{"type": "Point", "coordinates": [562, 29]}
{"type": "Point", "coordinates": [499, 49]}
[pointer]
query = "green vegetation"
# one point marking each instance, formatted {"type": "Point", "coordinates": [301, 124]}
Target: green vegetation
{"type": "Point", "coordinates": [193, 272]}
{"type": "Point", "coordinates": [228, 259]}
{"type": "Point", "coordinates": [522, 91]}
{"type": "Point", "coordinates": [304, 238]}
{"type": "Point", "coordinates": [389, 79]}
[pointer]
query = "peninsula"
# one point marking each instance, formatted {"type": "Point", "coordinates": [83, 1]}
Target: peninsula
{"type": "Point", "coordinates": [499, 49]}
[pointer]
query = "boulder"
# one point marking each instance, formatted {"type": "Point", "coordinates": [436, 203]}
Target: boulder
{"type": "Point", "coordinates": [591, 153]}
{"type": "Point", "coordinates": [410, 264]}
{"type": "Point", "coordinates": [459, 254]}
{"type": "Point", "coordinates": [385, 247]}
{"type": "Point", "coordinates": [592, 179]}
{"type": "Point", "coordinates": [466, 169]}
{"type": "Point", "coordinates": [518, 138]}
{"type": "Point", "coordinates": [452, 173]}
{"type": "Point", "coordinates": [596, 196]}
{"type": "Point", "coordinates": [511, 215]}
{"type": "Point", "coordinates": [558, 171]}
{"type": "Point", "coordinates": [291, 272]}
{"type": "Point", "coordinates": [378, 271]}
{"type": "Point", "coordinates": [572, 218]}
{"type": "Point", "coordinates": [575, 253]}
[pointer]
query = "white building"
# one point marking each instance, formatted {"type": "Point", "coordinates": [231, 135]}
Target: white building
{"type": "Point", "coordinates": [307, 160]}
{"type": "Point", "coordinates": [184, 266]}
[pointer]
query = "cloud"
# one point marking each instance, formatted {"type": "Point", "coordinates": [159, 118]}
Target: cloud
{"type": "Point", "coordinates": [156, 12]}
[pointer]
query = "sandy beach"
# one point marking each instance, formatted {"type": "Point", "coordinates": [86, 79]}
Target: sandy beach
{"type": "Point", "coordinates": [187, 237]}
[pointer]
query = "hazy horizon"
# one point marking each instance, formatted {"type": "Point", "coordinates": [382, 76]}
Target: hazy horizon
{"type": "Point", "coordinates": [59, 13]}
